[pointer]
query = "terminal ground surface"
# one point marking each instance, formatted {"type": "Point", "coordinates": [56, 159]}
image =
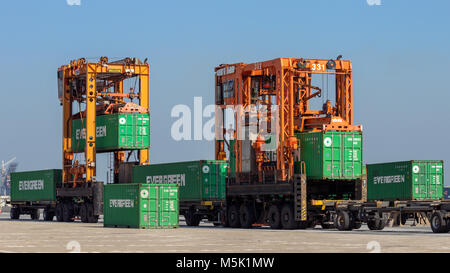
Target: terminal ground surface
{"type": "Point", "coordinates": [25, 235]}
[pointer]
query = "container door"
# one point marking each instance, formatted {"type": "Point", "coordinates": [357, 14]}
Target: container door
{"type": "Point", "coordinates": [217, 180]}
{"type": "Point", "coordinates": [329, 156]}
{"type": "Point", "coordinates": [168, 206]}
{"type": "Point", "coordinates": [128, 130]}
{"type": "Point", "coordinates": [434, 175]}
{"type": "Point", "coordinates": [146, 216]}
{"type": "Point", "coordinates": [421, 187]}
{"type": "Point", "coordinates": [332, 144]}
{"type": "Point", "coordinates": [154, 202]}
{"type": "Point", "coordinates": [211, 174]}
{"type": "Point", "coordinates": [352, 155]}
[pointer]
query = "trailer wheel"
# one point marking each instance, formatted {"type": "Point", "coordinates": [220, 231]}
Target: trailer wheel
{"type": "Point", "coordinates": [35, 214]}
{"type": "Point", "coordinates": [233, 217]}
{"type": "Point", "coordinates": [274, 217]}
{"type": "Point", "coordinates": [59, 212]}
{"type": "Point", "coordinates": [246, 216]}
{"type": "Point", "coordinates": [287, 217]}
{"type": "Point", "coordinates": [14, 213]}
{"type": "Point", "coordinates": [342, 221]}
{"type": "Point", "coordinates": [67, 212]}
{"type": "Point", "coordinates": [372, 224]}
{"type": "Point", "coordinates": [48, 214]}
{"type": "Point", "coordinates": [376, 224]}
{"type": "Point", "coordinates": [438, 223]}
{"type": "Point", "coordinates": [191, 218]}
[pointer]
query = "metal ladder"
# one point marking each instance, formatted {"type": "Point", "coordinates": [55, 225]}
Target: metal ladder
{"type": "Point", "coordinates": [300, 204]}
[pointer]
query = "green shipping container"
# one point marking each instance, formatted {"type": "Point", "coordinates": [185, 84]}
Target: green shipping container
{"type": "Point", "coordinates": [35, 185]}
{"type": "Point", "coordinates": [141, 205]}
{"type": "Point", "coordinates": [406, 180]}
{"type": "Point", "coordinates": [123, 131]}
{"type": "Point", "coordinates": [331, 155]}
{"type": "Point", "coordinates": [202, 180]}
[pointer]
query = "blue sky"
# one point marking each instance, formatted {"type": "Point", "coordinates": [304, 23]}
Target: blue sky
{"type": "Point", "coordinates": [400, 52]}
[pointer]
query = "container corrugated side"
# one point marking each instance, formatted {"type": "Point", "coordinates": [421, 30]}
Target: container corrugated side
{"type": "Point", "coordinates": [202, 180]}
{"type": "Point", "coordinates": [331, 155]}
{"type": "Point", "coordinates": [141, 205]}
{"type": "Point", "coordinates": [406, 180]}
{"type": "Point", "coordinates": [114, 132]}
{"type": "Point", "coordinates": [121, 205]}
{"type": "Point", "coordinates": [35, 185]}
{"type": "Point", "coordinates": [163, 210]}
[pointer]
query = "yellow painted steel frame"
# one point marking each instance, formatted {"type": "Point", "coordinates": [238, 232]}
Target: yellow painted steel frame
{"type": "Point", "coordinates": [90, 72]}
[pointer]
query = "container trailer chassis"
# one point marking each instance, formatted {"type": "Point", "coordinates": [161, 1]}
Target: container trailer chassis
{"type": "Point", "coordinates": [377, 213]}
{"type": "Point", "coordinates": [281, 204]}
{"type": "Point", "coordinates": [286, 206]}
{"type": "Point", "coordinates": [195, 212]}
{"type": "Point", "coordinates": [84, 201]}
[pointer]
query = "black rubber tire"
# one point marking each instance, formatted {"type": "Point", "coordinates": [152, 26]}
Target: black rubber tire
{"type": "Point", "coordinates": [191, 218]}
{"type": "Point", "coordinates": [84, 213]}
{"type": "Point", "coordinates": [288, 217]}
{"type": "Point", "coordinates": [90, 214]}
{"type": "Point", "coordinates": [376, 224]}
{"type": "Point", "coordinates": [233, 217]}
{"type": "Point", "coordinates": [373, 224]}
{"type": "Point", "coordinates": [67, 212]}
{"type": "Point", "coordinates": [438, 223]}
{"type": "Point", "coordinates": [342, 221]}
{"type": "Point", "coordinates": [14, 213]}
{"type": "Point", "coordinates": [246, 216]}
{"type": "Point", "coordinates": [48, 214]}
{"type": "Point", "coordinates": [274, 217]}
{"type": "Point", "coordinates": [59, 212]}
{"type": "Point", "coordinates": [35, 214]}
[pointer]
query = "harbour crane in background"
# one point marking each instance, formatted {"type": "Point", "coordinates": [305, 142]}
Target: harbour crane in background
{"type": "Point", "coordinates": [6, 168]}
